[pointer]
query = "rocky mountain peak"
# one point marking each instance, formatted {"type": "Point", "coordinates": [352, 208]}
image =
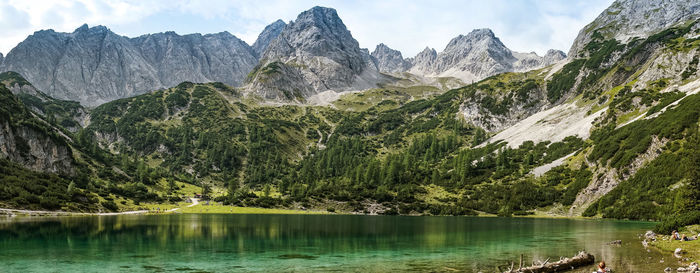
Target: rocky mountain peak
{"type": "Point", "coordinates": [319, 14]}
{"type": "Point", "coordinates": [268, 34]}
{"type": "Point", "coordinates": [626, 19]}
{"type": "Point", "coordinates": [553, 56]}
{"type": "Point", "coordinates": [474, 56]}
{"type": "Point", "coordinates": [82, 28]}
{"type": "Point", "coordinates": [389, 60]}
{"type": "Point", "coordinates": [555, 53]}
{"type": "Point", "coordinates": [85, 29]}
{"type": "Point", "coordinates": [477, 55]}
{"type": "Point", "coordinates": [314, 53]}
{"type": "Point", "coordinates": [427, 52]}
{"type": "Point", "coordinates": [318, 31]}
{"type": "Point", "coordinates": [423, 62]}
{"type": "Point", "coordinates": [478, 39]}
{"type": "Point", "coordinates": [474, 35]}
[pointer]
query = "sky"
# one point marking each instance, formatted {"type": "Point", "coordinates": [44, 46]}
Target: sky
{"type": "Point", "coordinates": [405, 25]}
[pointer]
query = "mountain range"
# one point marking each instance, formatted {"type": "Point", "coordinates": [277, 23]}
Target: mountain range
{"type": "Point", "coordinates": [611, 130]}
{"type": "Point", "coordinates": [470, 57]}
{"type": "Point", "coordinates": [288, 62]}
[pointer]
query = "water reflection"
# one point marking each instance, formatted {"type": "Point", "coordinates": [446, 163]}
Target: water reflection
{"type": "Point", "coordinates": [305, 242]}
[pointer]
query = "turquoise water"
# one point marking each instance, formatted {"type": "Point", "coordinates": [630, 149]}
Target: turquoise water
{"type": "Point", "coordinates": [301, 243]}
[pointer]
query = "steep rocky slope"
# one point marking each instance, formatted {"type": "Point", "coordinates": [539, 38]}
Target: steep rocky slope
{"type": "Point", "coordinates": [95, 65]}
{"type": "Point", "coordinates": [390, 60]}
{"type": "Point", "coordinates": [627, 19]}
{"type": "Point", "coordinates": [194, 57]}
{"type": "Point", "coordinates": [268, 34]}
{"type": "Point", "coordinates": [30, 141]}
{"type": "Point", "coordinates": [314, 53]}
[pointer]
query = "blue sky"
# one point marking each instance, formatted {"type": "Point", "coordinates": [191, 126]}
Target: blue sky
{"type": "Point", "coordinates": [409, 26]}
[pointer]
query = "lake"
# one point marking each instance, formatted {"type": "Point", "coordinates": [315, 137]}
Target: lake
{"type": "Point", "coordinates": [321, 243]}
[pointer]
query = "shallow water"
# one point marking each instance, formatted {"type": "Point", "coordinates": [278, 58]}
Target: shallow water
{"type": "Point", "coordinates": [274, 243]}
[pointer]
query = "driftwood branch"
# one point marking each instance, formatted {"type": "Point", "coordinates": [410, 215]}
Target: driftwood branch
{"type": "Point", "coordinates": [520, 267]}
{"type": "Point", "coordinates": [581, 259]}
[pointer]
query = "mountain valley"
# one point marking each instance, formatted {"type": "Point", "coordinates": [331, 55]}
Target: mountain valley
{"type": "Point", "coordinates": [306, 119]}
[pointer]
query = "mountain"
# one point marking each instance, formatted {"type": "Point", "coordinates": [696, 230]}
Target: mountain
{"type": "Point", "coordinates": [627, 19]}
{"type": "Point", "coordinates": [268, 34]}
{"type": "Point", "coordinates": [390, 60]}
{"type": "Point", "coordinates": [314, 53]}
{"type": "Point", "coordinates": [475, 56]}
{"type": "Point", "coordinates": [95, 65]}
{"type": "Point", "coordinates": [423, 62]}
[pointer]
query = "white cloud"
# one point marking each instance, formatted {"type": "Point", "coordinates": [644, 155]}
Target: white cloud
{"type": "Point", "coordinates": [409, 26]}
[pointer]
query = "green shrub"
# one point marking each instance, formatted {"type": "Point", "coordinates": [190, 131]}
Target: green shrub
{"type": "Point", "coordinates": [109, 205]}
{"type": "Point", "coordinates": [677, 221]}
{"type": "Point", "coordinates": [564, 80]}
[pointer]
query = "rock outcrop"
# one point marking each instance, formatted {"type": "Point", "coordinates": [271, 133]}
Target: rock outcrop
{"type": "Point", "coordinates": [389, 60]}
{"type": "Point", "coordinates": [423, 62]}
{"type": "Point", "coordinates": [268, 34]}
{"type": "Point", "coordinates": [314, 53]}
{"type": "Point", "coordinates": [553, 56]}
{"type": "Point", "coordinates": [95, 65]}
{"type": "Point", "coordinates": [476, 56]}
{"type": "Point", "coordinates": [30, 142]}
{"type": "Point", "coordinates": [529, 61]}
{"type": "Point", "coordinates": [198, 58]}
{"type": "Point", "coordinates": [626, 19]}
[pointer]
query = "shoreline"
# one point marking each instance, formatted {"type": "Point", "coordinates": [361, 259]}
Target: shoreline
{"type": "Point", "coordinates": [200, 209]}
{"type": "Point", "coordinates": [40, 213]}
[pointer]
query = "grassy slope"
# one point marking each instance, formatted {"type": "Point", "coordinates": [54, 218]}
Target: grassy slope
{"type": "Point", "coordinates": [691, 248]}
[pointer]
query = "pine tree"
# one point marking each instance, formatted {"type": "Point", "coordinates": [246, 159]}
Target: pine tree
{"type": "Point", "coordinates": [206, 191]}
{"type": "Point", "coordinates": [693, 193]}
{"type": "Point", "coordinates": [172, 187]}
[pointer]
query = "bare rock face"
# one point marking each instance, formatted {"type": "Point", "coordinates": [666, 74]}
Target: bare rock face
{"type": "Point", "coordinates": [422, 63]}
{"type": "Point", "coordinates": [29, 141]}
{"type": "Point", "coordinates": [626, 19]}
{"type": "Point", "coordinates": [529, 61]}
{"type": "Point", "coordinates": [267, 35]}
{"type": "Point", "coordinates": [553, 56]}
{"type": "Point", "coordinates": [390, 60]}
{"type": "Point", "coordinates": [95, 65]}
{"type": "Point", "coordinates": [314, 53]}
{"type": "Point", "coordinates": [198, 58]}
{"type": "Point", "coordinates": [34, 150]}
{"type": "Point", "coordinates": [476, 56]}
{"type": "Point", "coordinates": [2, 58]}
